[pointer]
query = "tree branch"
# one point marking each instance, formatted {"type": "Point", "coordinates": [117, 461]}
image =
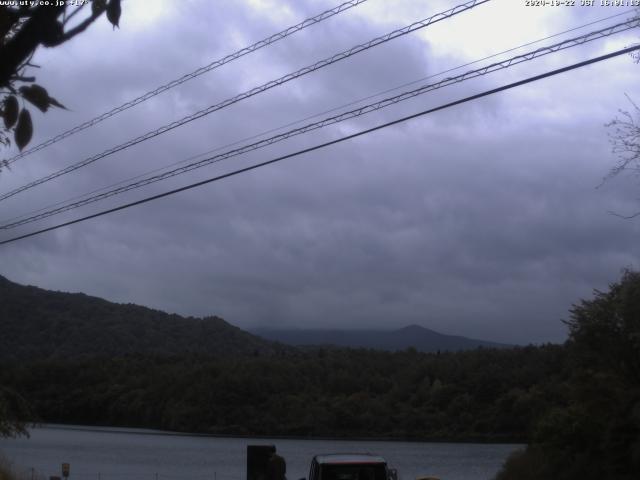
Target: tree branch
{"type": "Point", "coordinates": [81, 27]}
{"type": "Point", "coordinates": [26, 40]}
{"type": "Point", "coordinates": [72, 14]}
{"type": "Point", "coordinates": [23, 79]}
{"type": "Point", "coordinates": [8, 18]}
{"type": "Point", "coordinates": [20, 12]}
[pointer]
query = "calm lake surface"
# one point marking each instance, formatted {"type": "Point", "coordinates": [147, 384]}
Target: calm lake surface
{"type": "Point", "coordinates": [127, 454]}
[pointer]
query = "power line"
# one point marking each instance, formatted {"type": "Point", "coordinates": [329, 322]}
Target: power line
{"type": "Point", "coordinates": [273, 83]}
{"type": "Point", "coordinates": [189, 76]}
{"type": "Point", "coordinates": [332, 142]}
{"type": "Point", "coordinates": [569, 43]}
{"type": "Point", "coordinates": [315, 115]}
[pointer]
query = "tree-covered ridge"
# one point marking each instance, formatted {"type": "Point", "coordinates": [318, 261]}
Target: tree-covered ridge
{"type": "Point", "coordinates": [41, 324]}
{"type": "Point", "coordinates": [482, 395]}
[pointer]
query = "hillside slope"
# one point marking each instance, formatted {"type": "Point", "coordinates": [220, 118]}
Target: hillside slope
{"type": "Point", "coordinates": [42, 324]}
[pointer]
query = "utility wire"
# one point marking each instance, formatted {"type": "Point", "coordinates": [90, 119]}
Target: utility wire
{"type": "Point", "coordinates": [296, 122]}
{"type": "Point", "coordinates": [332, 142]}
{"type": "Point", "coordinates": [189, 76]}
{"type": "Point", "coordinates": [569, 43]}
{"type": "Point", "coordinates": [273, 83]}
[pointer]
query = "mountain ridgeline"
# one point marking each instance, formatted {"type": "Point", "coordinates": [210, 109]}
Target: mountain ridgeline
{"type": "Point", "coordinates": [413, 336]}
{"type": "Point", "coordinates": [42, 324]}
{"type": "Point", "coordinates": [83, 360]}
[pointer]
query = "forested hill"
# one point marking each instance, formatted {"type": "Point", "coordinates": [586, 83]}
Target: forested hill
{"type": "Point", "coordinates": [420, 338]}
{"type": "Point", "coordinates": [42, 324]}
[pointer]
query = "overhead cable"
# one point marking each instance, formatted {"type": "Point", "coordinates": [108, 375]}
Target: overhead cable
{"type": "Point", "coordinates": [569, 43]}
{"type": "Point", "coordinates": [300, 120]}
{"type": "Point", "coordinates": [190, 76]}
{"type": "Point", "coordinates": [331, 142]}
{"type": "Point", "coordinates": [273, 83]}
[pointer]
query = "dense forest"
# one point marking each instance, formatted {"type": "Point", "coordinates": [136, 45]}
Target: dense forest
{"type": "Point", "coordinates": [483, 394]}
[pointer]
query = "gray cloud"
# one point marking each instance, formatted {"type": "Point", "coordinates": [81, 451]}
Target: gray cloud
{"type": "Point", "coordinates": [481, 220]}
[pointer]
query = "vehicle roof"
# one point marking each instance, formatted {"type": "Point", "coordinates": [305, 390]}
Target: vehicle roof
{"type": "Point", "coordinates": [335, 458]}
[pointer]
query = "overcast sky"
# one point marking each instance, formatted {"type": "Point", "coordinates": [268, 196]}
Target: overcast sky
{"type": "Point", "coordinates": [482, 220]}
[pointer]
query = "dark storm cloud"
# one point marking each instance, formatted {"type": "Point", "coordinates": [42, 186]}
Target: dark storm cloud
{"type": "Point", "coordinates": [482, 220]}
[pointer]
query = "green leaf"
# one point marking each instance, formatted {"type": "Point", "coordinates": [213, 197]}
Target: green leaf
{"type": "Point", "coordinates": [36, 95]}
{"type": "Point", "coordinates": [24, 129]}
{"type": "Point", "coordinates": [113, 12]}
{"type": "Point", "coordinates": [39, 97]}
{"type": "Point", "coordinates": [56, 103]}
{"type": "Point", "coordinates": [10, 112]}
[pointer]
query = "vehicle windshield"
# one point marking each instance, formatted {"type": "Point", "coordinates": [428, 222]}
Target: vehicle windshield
{"type": "Point", "coordinates": [353, 472]}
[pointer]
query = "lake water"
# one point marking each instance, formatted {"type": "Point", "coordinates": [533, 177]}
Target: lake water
{"type": "Point", "coordinates": [128, 454]}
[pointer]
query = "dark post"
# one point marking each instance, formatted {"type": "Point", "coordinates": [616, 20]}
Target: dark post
{"type": "Point", "coordinates": [257, 460]}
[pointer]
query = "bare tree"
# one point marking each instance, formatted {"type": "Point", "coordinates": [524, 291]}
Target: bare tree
{"type": "Point", "coordinates": [624, 136]}
{"type": "Point", "coordinates": [625, 140]}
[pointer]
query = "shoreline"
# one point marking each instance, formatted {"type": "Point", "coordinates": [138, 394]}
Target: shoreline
{"type": "Point", "coordinates": [146, 431]}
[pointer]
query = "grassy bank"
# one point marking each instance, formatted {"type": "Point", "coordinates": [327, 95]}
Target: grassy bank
{"type": "Point", "coordinates": [9, 471]}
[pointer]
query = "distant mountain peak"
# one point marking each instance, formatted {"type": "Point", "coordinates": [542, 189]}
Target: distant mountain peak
{"type": "Point", "coordinates": [416, 336]}
{"type": "Point", "coordinates": [414, 328]}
